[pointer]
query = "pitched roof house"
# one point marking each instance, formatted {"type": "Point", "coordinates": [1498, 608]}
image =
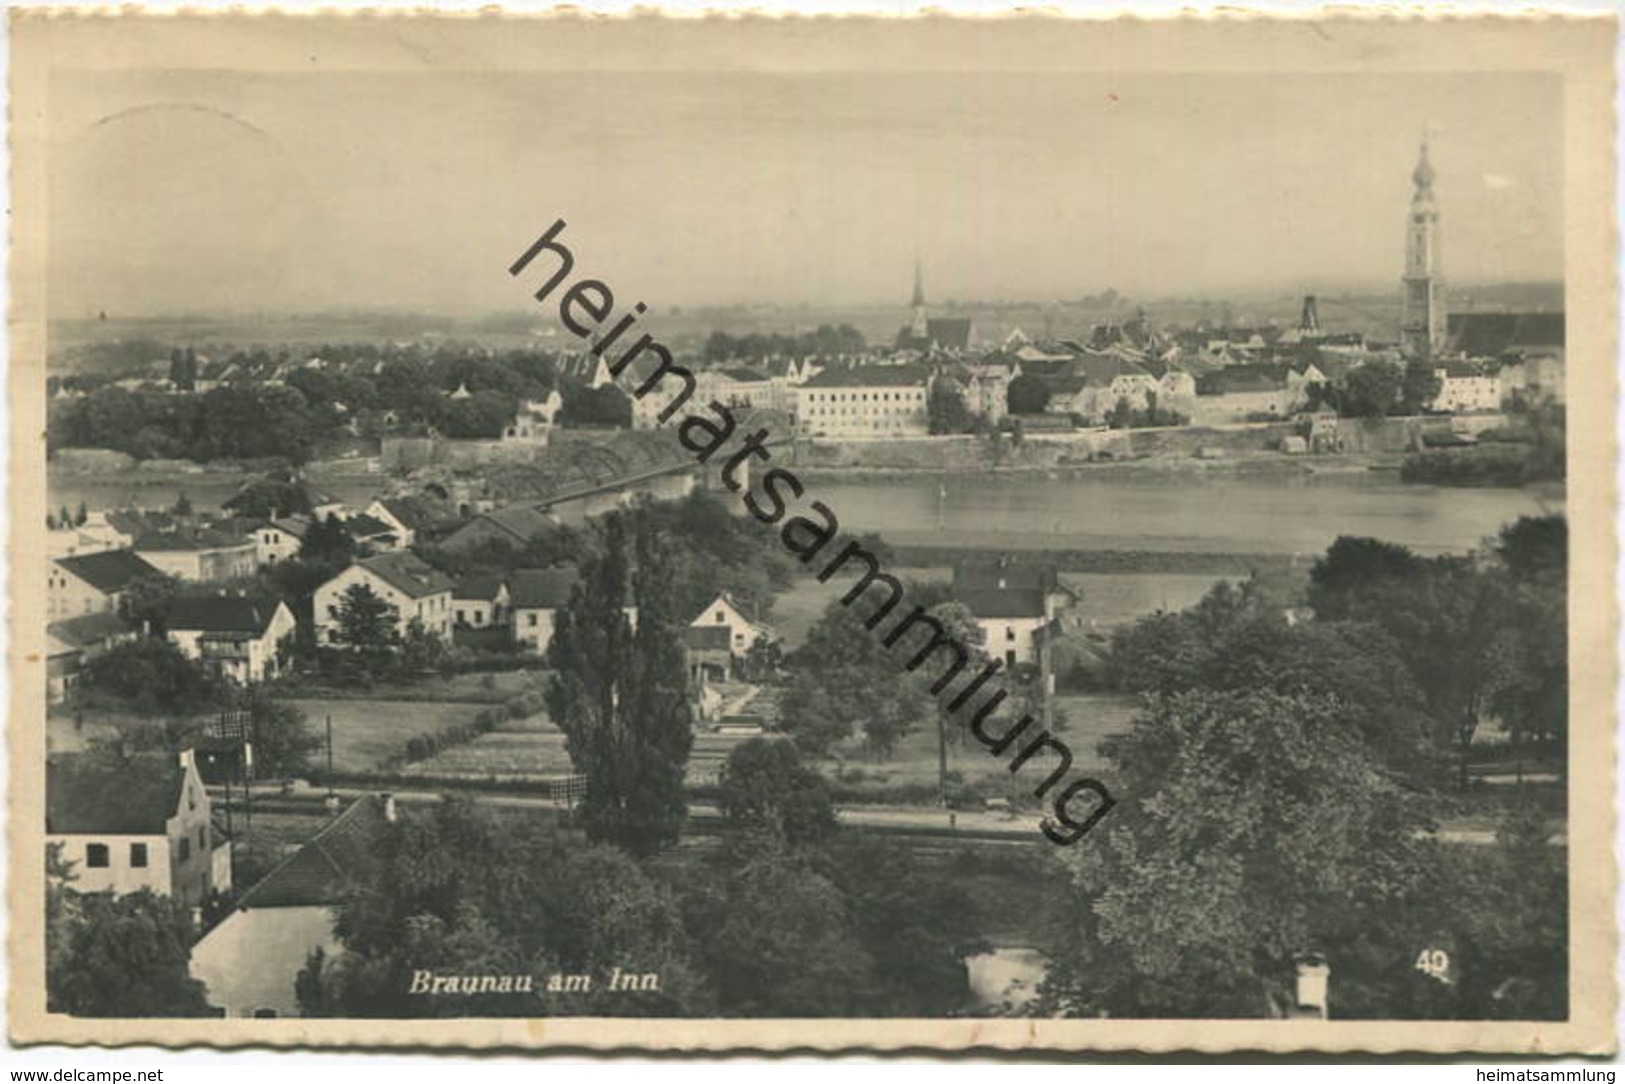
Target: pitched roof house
{"type": "Point", "coordinates": [1011, 602]}
{"type": "Point", "coordinates": [240, 637]}
{"type": "Point", "coordinates": [739, 618]}
{"type": "Point", "coordinates": [135, 822]}
{"type": "Point", "coordinates": [199, 554]}
{"type": "Point", "coordinates": [249, 961]}
{"type": "Point", "coordinates": [515, 524]}
{"type": "Point", "coordinates": [535, 595]}
{"type": "Point", "coordinates": [410, 516]}
{"type": "Point", "coordinates": [91, 582]}
{"type": "Point", "coordinates": [415, 590]}
{"type": "Point", "coordinates": [481, 601]}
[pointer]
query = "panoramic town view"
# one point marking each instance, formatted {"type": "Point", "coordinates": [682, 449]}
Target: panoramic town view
{"type": "Point", "coordinates": [509, 637]}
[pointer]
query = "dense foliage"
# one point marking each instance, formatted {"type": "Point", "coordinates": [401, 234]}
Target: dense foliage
{"type": "Point", "coordinates": [826, 341]}
{"type": "Point", "coordinates": [752, 929]}
{"type": "Point", "coordinates": [1280, 786]}
{"type": "Point", "coordinates": [124, 956]}
{"type": "Point", "coordinates": [620, 694]}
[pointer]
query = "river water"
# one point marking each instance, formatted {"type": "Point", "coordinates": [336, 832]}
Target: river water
{"type": "Point", "coordinates": [1177, 512]}
{"type": "Point", "coordinates": [1209, 512]}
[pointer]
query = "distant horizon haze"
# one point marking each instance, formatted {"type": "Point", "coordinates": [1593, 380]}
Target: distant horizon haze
{"type": "Point", "coordinates": [184, 192]}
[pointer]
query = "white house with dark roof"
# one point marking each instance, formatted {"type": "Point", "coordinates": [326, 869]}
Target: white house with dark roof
{"type": "Point", "coordinates": [416, 591]}
{"type": "Point", "coordinates": [280, 539]}
{"type": "Point", "coordinates": [481, 601]}
{"type": "Point", "coordinates": [74, 641]}
{"type": "Point", "coordinates": [249, 961]}
{"type": "Point", "coordinates": [726, 612]}
{"type": "Point", "coordinates": [91, 582]}
{"type": "Point", "coordinates": [372, 534]}
{"type": "Point", "coordinates": [408, 515]}
{"type": "Point", "coordinates": [200, 555]}
{"type": "Point", "coordinates": [535, 597]}
{"type": "Point", "coordinates": [1012, 603]}
{"type": "Point", "coordinates": [865, 401]}
{"type": "Point", "coordinates": [143, 821]}
{"type": "Point", "coordinates": [239, 637]}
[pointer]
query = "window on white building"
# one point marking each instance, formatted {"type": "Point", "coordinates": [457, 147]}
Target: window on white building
{"type": "Point", "coordinates": [138, 856]}
{"type": "Point", "coordinates": [96, 855]}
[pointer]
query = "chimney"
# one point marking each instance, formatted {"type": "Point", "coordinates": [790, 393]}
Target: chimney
{"type": "Point", "coordinates": [1313, 977]}
{"type": "Point", "coordinates": [390, 813]}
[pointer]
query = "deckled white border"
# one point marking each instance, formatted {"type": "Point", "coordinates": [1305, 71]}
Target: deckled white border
{"type": "Point", "coordinates": [210, 1059]}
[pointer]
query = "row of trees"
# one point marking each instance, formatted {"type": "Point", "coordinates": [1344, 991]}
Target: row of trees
{"type": "Point", "coordinates": [177, 698]}
{"type": "Point", "coordinates": [786, 919]}
{"type": "Point", "coordinates": [313, 406]}
{"type": "Point", "coordinates": [827, 341]}
{"type": "Point", "coordinates": [1377, 389]}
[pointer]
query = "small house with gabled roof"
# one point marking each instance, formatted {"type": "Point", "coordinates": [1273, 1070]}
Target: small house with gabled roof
{"type": "Point", "coordinates": [535, 596]}
{"type": "Point", "coordinates": [92, 582]}
{"type": "Point", "coordinates": [134, 822]}
{"type": "Point", "coordinates": [738, 617]}
{"type": "Point", "coordinates": [481, 601]}
{"type": "Point", "coordinates": [241, 638]}
{"type": "Point", "coordinates": [250, 960]}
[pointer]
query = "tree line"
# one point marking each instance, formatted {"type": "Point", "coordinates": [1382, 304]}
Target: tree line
{"type": "Point", "coordinates": [311, 407]}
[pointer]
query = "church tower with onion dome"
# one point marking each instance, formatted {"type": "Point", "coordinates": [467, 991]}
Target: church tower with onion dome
{"type": "Point", "coordinates": [1422, 319]}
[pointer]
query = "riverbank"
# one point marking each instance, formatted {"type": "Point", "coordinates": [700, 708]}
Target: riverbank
{"type": "Point", "coordinates": [1260, 464]}
{"type": "Point", "coordinates": [1112, 562]}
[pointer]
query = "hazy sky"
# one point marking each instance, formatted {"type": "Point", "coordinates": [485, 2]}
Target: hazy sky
{"type": "Point", "coordinates": [212, 191]}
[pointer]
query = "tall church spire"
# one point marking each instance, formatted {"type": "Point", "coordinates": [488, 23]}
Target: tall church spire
{"type": "Point", "coordinates": [1422, 322]}
{"type": "Point", "coordinates": [917, 324]}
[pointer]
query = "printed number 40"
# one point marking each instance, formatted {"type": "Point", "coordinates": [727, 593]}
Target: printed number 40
{"type": "Point", "coordinates": [1435, 962]}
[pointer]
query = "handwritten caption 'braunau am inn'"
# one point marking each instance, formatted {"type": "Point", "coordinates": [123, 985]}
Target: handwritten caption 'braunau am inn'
{"type": "Point", "coordinates": [588, 305]}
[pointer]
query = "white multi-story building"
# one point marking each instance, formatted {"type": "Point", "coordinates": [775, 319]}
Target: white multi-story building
{"type": "Point", "coordinates": [865, 401]}
{"type": "Point", "coordinates": [1012, 605]}
{"type": "Point", "coordinates": [1465, 388]}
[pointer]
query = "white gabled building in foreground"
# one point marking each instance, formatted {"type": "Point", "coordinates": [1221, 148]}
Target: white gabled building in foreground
{"type": "Point", "coordinates": [143, 821]}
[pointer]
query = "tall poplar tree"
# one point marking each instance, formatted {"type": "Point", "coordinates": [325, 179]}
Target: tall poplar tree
{"type": "Point", "coordinates": [620, 694]}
